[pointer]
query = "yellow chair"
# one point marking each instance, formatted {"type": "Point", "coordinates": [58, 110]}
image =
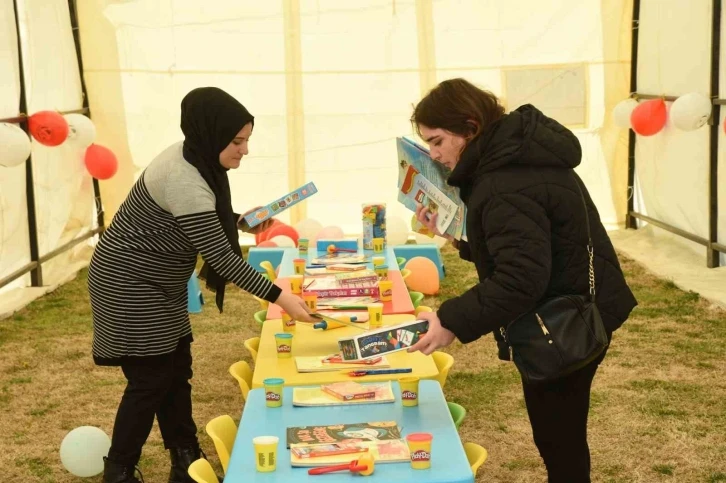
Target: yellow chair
{"type": "Point", "coordinates": [269, 270]}
{"type": "Point", "coordinates": [405, 273]}
{"type": "Point", "coordinates": [260, 317]}
{"type": "Point", "coordinates": [253, 346]}
{"type": "Point", "coordinates": [476, 455]}
{"type": "Point", "coordinates": [423, 308]}
{"type": "Point", "coordinates": [264, 304]}
{"type": "Point", "coordinates": [222, 430]}
{"type": "Point", "coordinates": [443, 362]}
{"type": "Point", "coordinates": [202, 472]}
{"type": "Point", "coordinates": [243, 373]}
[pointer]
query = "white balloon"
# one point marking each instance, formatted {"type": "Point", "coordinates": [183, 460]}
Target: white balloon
{"type": "Point", "coordinates": [283, 241]}
{"type": "Point", "coordinates": [83, 449]}
{"type": "Point", "coordinates": [396, 231]}
{"type": "Point", "coordinates": [622, 111]}
{"type": "Point", "coordinates": [308, 228]}
{"type": "Point", "coordinates": [690, 111]}
{"type": "Point", "coordinates": [15, 145]}
{"type": "Point", "coordinates": [81, 130]}
{"type": "Point", "coordinates": [424, 240]}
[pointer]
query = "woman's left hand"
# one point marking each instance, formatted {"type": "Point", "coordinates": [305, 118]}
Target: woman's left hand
{"type": "Point", "coordinates": [436, 337]}
{"type": "Point", "coordinates": [257, 229]}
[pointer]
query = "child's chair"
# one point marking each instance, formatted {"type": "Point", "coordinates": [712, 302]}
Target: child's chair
{"type": "Point", "coordinates": [443, 362]}
{"type": "Point", "coordinates": [243, 373]}
{"type": "Point", "coordinates": [476, 455]}
{"type": "Point", "coordinates": [416, 298]}
{"type": "Point", "coordinates": [260, 317]}
{"type": "Point", "coordinates": [458, 413]}
{"type": "Point", "coordinates": [253, 346]}
{"type": "Point", "coordinates": [222, 430]}
{"type": "Point", "coordinates": [423, 308]}
{"type": "Point", "coordinates": [202, 472]}
{"type": "Point", "coordinates": [269, 270]}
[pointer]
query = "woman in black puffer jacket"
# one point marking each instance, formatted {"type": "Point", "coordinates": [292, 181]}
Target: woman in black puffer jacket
{"type": "Point", "coordinates": [527, 237]}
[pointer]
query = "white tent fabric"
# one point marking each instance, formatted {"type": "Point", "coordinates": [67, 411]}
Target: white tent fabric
{"type": "Point", "coordinates": [672, 167]}
{"type": "Point", "coordinates": [333, 83]}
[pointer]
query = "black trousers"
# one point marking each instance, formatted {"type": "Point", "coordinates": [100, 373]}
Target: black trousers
{"type": "Point", "coordinates": [160, 388]}
{"type": "Point", "coordinates": [558, 413]}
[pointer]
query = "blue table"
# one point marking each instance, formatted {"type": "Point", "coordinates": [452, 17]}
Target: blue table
{"type": "Point", "coordinates": [287, 269]}
{"type": "Point", "coordinates": [448, 460]}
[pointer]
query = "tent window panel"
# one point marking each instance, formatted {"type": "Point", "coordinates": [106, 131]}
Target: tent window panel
{"type": "Point", "coordinates": [559, 92]}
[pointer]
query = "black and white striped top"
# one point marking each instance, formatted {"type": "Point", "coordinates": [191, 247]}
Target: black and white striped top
{"type": "Point", "coordinates": [138, 275]}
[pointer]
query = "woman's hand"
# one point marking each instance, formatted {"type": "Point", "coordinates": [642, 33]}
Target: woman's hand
{"type": "Point", "coordinates": [436, 337]}
{"type": "Point", "coordinates": [422, 215]}
{"type": "Point", "coordinates": [242, 224]}
{"type": "Point", "coordinates": [295, 307]}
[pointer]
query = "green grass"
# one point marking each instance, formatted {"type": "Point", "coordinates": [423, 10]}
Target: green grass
{"type": "Point", "coordinates": [658, 405]}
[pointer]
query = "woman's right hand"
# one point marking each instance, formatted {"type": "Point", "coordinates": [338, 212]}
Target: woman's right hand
{"type": "Point", "coordinates": [295, 307]}
{"type": "Point", "coordinates": [427, 219]}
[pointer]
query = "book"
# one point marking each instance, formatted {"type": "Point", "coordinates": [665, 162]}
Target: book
{"type": "Point", "coordinates": [327, 286]}
{"type": "Point", "coordinates": [420, 179]}
{"type": "Point", "coordinates": [345, 267]}
{"type": "Point", "coordinates": [393, 451]}
{"type": "Point", "coordinates": [348, 390]}
{"type": "Point", "coordinates": [318, 364]}
{"type": "Point", "coordinates": [315, 396]}
{"type": "Point", "coordinates": [339, 433]}
{"type": "Point", "coordinates": [353, 279]}
{"type": "Point", "coordinates": [281, 204]}
{"type": "Point", "coordinates": [339, 257]}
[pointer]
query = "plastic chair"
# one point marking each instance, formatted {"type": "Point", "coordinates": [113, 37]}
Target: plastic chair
{"type": "Point", "coordinates": [405, 273]}
{"type": "Point", "coordinates": [458, 413]}
{"type": "Point", "coordinates": [243, 373]}
{"type": "Point", "coordinates": [269, 270]}
{"type": "Point", "coordinates": [443, 362]}
{"type": "Point", "coordinates": [253, 346]}
{"type": "Point", "coordinates": [423, 308]}
{"type": "Point", "coordinates": [260, 317]}
{"type": "Point", "coordinates": [264, 304]}
{"type": "Point", "coordinates": [222, 430]}
{"type": "Point", "coordinates": [416, 298]}
{"type": "Point", "coordinates": [401, 261]}
{"type": "Point", "coordinates": [476, 455]}
{"type": "Point", "coordinates": [202, 472]}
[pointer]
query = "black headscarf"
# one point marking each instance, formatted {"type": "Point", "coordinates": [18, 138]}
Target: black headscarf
{"type": "Point", "coordinates": [210, 119]}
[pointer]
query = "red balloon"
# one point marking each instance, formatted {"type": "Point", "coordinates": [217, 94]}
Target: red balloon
{"type": "Point", "coordinates": [264, 235]}
{"type": "Point", "coordinates": [267, 243]}
{"type": "Point", "coordinates": [649, 117]}
{"type": "Point", "coordinates": [100, 161]}
{"type": "Point", "coordinates": [283, 229]}
{"type": "Point", "coordinates": [48, 128]}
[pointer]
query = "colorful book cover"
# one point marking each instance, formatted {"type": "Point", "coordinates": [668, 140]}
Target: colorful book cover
{"type": "Point", "coordinates": [343, 433]}
{"type": "Point", "coordinates": [361, 277]}
{"type": "Point", "coordinates": [316, 364]}
{"type": "Point", "coordinates": [315, 396]}
{"type": "Point", "coordinates": [280, 204]}
{"type": "Point", "coordinates": [393, 451]}
{"type": "Point", "coordinates": [348, 390]}
{"type": "Point", "coordinates": [424, 180]}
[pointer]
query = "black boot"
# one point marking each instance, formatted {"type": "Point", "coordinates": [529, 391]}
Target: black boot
{"type": "Point", "coordinates": [117, 473]}
{"type": "Point", "coordinates": [181, 459]}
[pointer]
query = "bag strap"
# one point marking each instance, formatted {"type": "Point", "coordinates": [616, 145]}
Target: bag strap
{"type": "Point", "coordinates": [590, 251]}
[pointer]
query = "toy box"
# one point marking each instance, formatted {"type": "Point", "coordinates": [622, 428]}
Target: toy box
{"type": "Point", "coordinates": [280, 205]}
{"type": "Point", "coordinates": [374, 343]}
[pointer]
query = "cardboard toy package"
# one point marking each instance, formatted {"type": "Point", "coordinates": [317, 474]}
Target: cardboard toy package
{"type": "Point", "coordinates": [374, 343]}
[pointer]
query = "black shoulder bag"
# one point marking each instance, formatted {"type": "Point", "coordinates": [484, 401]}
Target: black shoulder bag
{"type": "Point", "coordinates": [559, 336]}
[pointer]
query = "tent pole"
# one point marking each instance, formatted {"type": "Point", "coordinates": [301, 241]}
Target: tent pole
{"type": "Point", "coordinates": [712, 255]}
{"type": "Point", "coordinates": [36, 274]}
{"type": "Point", "coordinates": [631, 221]}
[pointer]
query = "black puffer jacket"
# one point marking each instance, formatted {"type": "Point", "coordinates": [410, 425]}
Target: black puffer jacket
{"type": "Point", "coordinates": [526, 228]}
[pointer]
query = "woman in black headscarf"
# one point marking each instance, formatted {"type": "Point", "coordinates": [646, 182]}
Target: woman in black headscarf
{"type": "Point", "coordinates": [180, 207]}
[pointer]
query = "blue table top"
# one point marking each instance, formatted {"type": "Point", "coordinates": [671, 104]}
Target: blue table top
{"type": "Point", "coordinates": [448, 459]}
{"type": "Point", "coordinates": [287, 268]}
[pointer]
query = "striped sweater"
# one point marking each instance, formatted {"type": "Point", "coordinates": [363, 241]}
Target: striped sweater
{"type": "Point", "coordinates": [138, 275]}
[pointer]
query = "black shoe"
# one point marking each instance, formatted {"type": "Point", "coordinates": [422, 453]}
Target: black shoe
{"type": "Point", "coordinates": [117, 473]}
{"type": "Point", "coordinates": [181, 459]}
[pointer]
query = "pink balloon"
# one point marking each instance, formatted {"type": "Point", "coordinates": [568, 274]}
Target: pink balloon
{"type": "Point", "coordinates": [330, 233]}
{"type": "Point", "coordinates": [266, 243]}
{"type": "Point", "coordinates": [424, 276]}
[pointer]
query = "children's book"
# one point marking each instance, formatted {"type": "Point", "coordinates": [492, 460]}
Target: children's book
{"type": "Point", "coordinates": [328, 286]}
{"type": "Point", "coordinates": [393, 451]}
{"type": "Point", "coordinates": [280, 205]}
{"type": "Point", "coordinates": [348, 390]}
{"type": "Point", "coordinates": [422, 180]}
{"type": "Point", "coordinates": [316, 396]}
{"type": "Point", "coordinates": [338, 258]}
{"type": "Point", "coordinates": [343, 433]}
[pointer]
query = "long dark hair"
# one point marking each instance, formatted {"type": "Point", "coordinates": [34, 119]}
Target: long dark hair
{"type": "Point", "coordinates": [457, 106]}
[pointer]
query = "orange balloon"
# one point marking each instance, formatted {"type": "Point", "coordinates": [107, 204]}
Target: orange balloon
{"type": "Point", "coordinates": [649, 117]}
{"type": "Point", "coordinates": [100, 161]}
{"type": "Point", "coordinates": [267, 243]}
{"type": "Point", "coordinates": [424, 276]}
{"type": "Point", "coordinates": [48, 128]}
